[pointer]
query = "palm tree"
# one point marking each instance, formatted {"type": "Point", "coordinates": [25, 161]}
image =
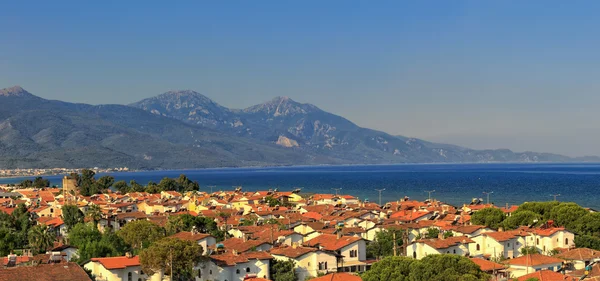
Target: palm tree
{"type": "Point", "coordinates": [40, 238]}
{"type": "Point", "coordinates": [94, 212]}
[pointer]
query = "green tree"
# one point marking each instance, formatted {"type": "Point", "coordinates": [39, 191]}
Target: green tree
{"type": "Point", "coordinates": [185, 184]}
{"type": "Point", "coordinates": [136, 187]}
{"type": "Point", "coordinates": [121, 186]}
{"type": "Point", "coordinates": [283, 270]}
{"type": "Point", "coordinates": [71, 215]}
{"type": "Point", "coordinates": [490, 217]}
{"type": "Point", "coordinates": [588, 224]}
{"type": "Point", "coordinates": [141, 233]}
{"type": "Point", "coordinates": [566, 214]}
{"type": "Point", "coordinates": [521, 218]}
{"type": "Point", "coordinates": [104, 183]}
{"type": "Point", "coordinates": [446, 268]}
{"type": "Point", "coordinates": [94, 212]}
{"type": "Point", "coordinates": [529, 250]}
{"type": "Point", "coordinates": [434, 267]}
{"type": "Point", "coordinates": [40, 182]}
{"type": "Point", "coordinates": [587, 241]}
{"type": "Point", "coordinates": [168, 184]}
{"type": "Point", "coordinates": [167, 253]}
{"type": "Point", "coordinates": [26, 184]}
{"type": "Point", "coordinates": [541, 208]}
{"type": "Point", "coordinates": [390, 269]}
{"type": "Point", "coordinates": [40, 239]}
{"type": "Point", "coordinates": [91, 243]}
{"type": "Point", "coordinates": [87, 183]}
{"type": "Point", "coordinates": [383, 244]}
{"type": "Point", "coordinates": [8, 241]}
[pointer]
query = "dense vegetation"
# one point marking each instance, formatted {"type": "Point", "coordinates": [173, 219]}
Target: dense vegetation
{"type": "Point", "coordinates": [445, 267]}
{"type": "Point", "coordinates": [584, 224]}
{"type": "Point", "coordinates": [283, 270]}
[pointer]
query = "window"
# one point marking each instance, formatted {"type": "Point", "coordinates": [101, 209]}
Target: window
{"type": "Point", "coordinates": [454, 251]}
{"type": "Point", "coordinates": [210, 272]}
{"type": "Point", "coordinates": [478, 247]}
{"type": "Point", "coordinates": [129, 277]}
{"type": "Point", "coordinates": [414, 255]}
{"type": "Point", "coordinates": [51, 210]}
{"type": "Point", "coordinates": [199, 273]}
{"type": "Point", "coordinates": [237, 271]}
{"type": "Point", "coordinates": [537, 241]}
{"type": "Point", "coordinates": [507, 244]}
{"type": "Point", "coordinates": [247, 269]}
{"type": "Point", "coordinates": [566, 241]}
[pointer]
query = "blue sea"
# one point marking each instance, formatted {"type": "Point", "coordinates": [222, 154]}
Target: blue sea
{"type": "Point", "coordinates": [453, 183]}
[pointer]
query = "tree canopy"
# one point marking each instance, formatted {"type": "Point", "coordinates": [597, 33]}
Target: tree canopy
{"type": "Point", "coordinates": [71, 215]}
{"type": "Point", "coordinates": [92, 243]}
{"type": "Point", "coordinates": [283, 270]}
{"type": "Point", "coordinates": [140, 234]}
{"type": "Point", "coordinates": [383, 244]}
{"type": "Point", "coordinates": [182, 255]}
{"type": "Point", "coordinates": [490, 217]}
{"type": "Point", "coordinates": [445, 267]}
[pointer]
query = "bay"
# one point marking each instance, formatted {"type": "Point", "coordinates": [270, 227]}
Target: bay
{"type": "Point", "coordinates": [453, 183]}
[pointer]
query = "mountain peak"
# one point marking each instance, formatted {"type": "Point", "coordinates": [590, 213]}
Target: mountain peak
{"type": "Point", "coordinates": [15, 91]}
{"type": "Point", "coordinates": [282, 106]}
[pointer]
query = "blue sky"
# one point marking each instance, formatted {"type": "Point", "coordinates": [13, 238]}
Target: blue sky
{"type": "Point", "coordinates": [523, 75]}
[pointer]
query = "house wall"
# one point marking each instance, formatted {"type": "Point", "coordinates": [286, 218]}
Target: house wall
{"type": "Point", "coordinates": [229, 273]}
{"type": "Point", "coordinates": [103, 274]}
{"type": "Point", "coordinates": [519, 270]}
{"type": "Point", "coordinates": [360, 246]}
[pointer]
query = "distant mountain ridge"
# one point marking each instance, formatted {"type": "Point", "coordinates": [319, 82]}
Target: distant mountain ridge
{"type": "Point", "coordinates": [184, 129]}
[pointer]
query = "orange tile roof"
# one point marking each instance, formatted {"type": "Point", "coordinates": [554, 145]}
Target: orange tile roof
{"type": "Point", "coordinates": [330, 242]}
{"type": "Point", "coordinates": [118, 262]}
{"type": "Point", "coordinates": [447, 242]}
{"type": "Point", "coordinates": [546, 275]}
{"type": "Point", "coordinates": [292, 252]}
{"type": "Point", "coordinates": [338, 277]}
{"type": "Point", "coordinates": [230, 259]}
{"type": "Point", "coordinates": [45, 272]}
{"type": "Point", "coordinates": [501, 236]}
{"type": "Point", "coordinates": [313, 215]}
{"type": "Point", "coordinates": [533, 260]}
{"type": "Point", "coordinates": [187, 235]}
{"type": "Point", "coordinates": [582, 254]}
{"type": "Point", "coordinates": [486, 265]}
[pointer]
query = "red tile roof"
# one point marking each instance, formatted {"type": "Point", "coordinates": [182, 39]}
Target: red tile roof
{"type": "Point", "coordinates": [118, 262]}
{"type": "Point", "coordinates": [582, 254]}
{"type": "Point", "coordinates": [447, 242]}
{"type": "Point", "coordinates": [230, 259]}
{"type": "Point", "coordinates": [533, 260]}
{"type": "Point", "coordinates": [486, 265]}
{"type": "Point", "coordinates": [45, 272]}
{"type": "Point", "coordinates": [292, 252]}
{"type": "Point", "coordinates": [546, 275]}
{"type": "Point", "coordinates": [338, 277]}
{"type": "Point", "coordinates": [186, 235]}
{"type": "Point", "coordinates": [330, 242]}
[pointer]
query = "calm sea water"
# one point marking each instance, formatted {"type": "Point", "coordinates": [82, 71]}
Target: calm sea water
{"type": "Point", "coordinates": [453, 183]}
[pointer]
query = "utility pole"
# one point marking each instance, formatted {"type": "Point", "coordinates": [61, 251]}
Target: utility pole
{"type": "Point", "coordinates": [394, 235]}
{"type": "Point", "coordinates": [430, 191]}
{"type": "Point", "coordinates": [211, 188]}
{"type": "Point", "coordinates": [555, 195]}
{"type": "Point", "coordinates": [488, 196]}
{"type": "Point", "coordinates": [171, 254]}
{"type": "Point", "coordinates": [380, 190]}
{"type": "Point", "coordinates": [336, 190]}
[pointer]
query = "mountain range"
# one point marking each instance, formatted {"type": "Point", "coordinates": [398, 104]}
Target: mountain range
{"type": "Point", "coordinates": [185, 129]}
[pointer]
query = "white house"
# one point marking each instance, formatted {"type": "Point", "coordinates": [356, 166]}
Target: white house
{"type": "Point", "coordinates": [459, 245]}
{"type": "Point", "coordinates": [524, 265]}
{"type": "Point", "coordinates": [125, 268]}
{"type": "Point", "coordinates": [309, 262]}
{"type": "Point", "coordinates": [204, 240]}
{"type": "Point", "coordinates": [234, 266]}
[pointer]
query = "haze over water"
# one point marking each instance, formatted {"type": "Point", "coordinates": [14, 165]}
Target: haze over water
{"type": "Point", "coordinates": [454, 183]}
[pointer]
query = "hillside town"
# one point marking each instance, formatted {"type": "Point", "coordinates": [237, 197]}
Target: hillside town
{"type": "Point", "coordinates": [277, 235]}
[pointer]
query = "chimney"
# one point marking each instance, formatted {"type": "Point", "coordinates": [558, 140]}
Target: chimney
{"type": "Point", "coordinates": [500, 229]}
{"type": "Point", "coordinates": [294, 245]}
{"type": "Point", "coordinates": [234, 252]}
{"type": "Point", "coordinates": [128, 255]}
{"type": "Point", "coordinates": [339, 234]}
{"type": "Point", "coordinates": [441, 235]}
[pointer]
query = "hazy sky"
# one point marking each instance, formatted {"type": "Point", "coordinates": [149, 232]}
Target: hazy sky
{"type": "Point", "coordinates": [523, 75]}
